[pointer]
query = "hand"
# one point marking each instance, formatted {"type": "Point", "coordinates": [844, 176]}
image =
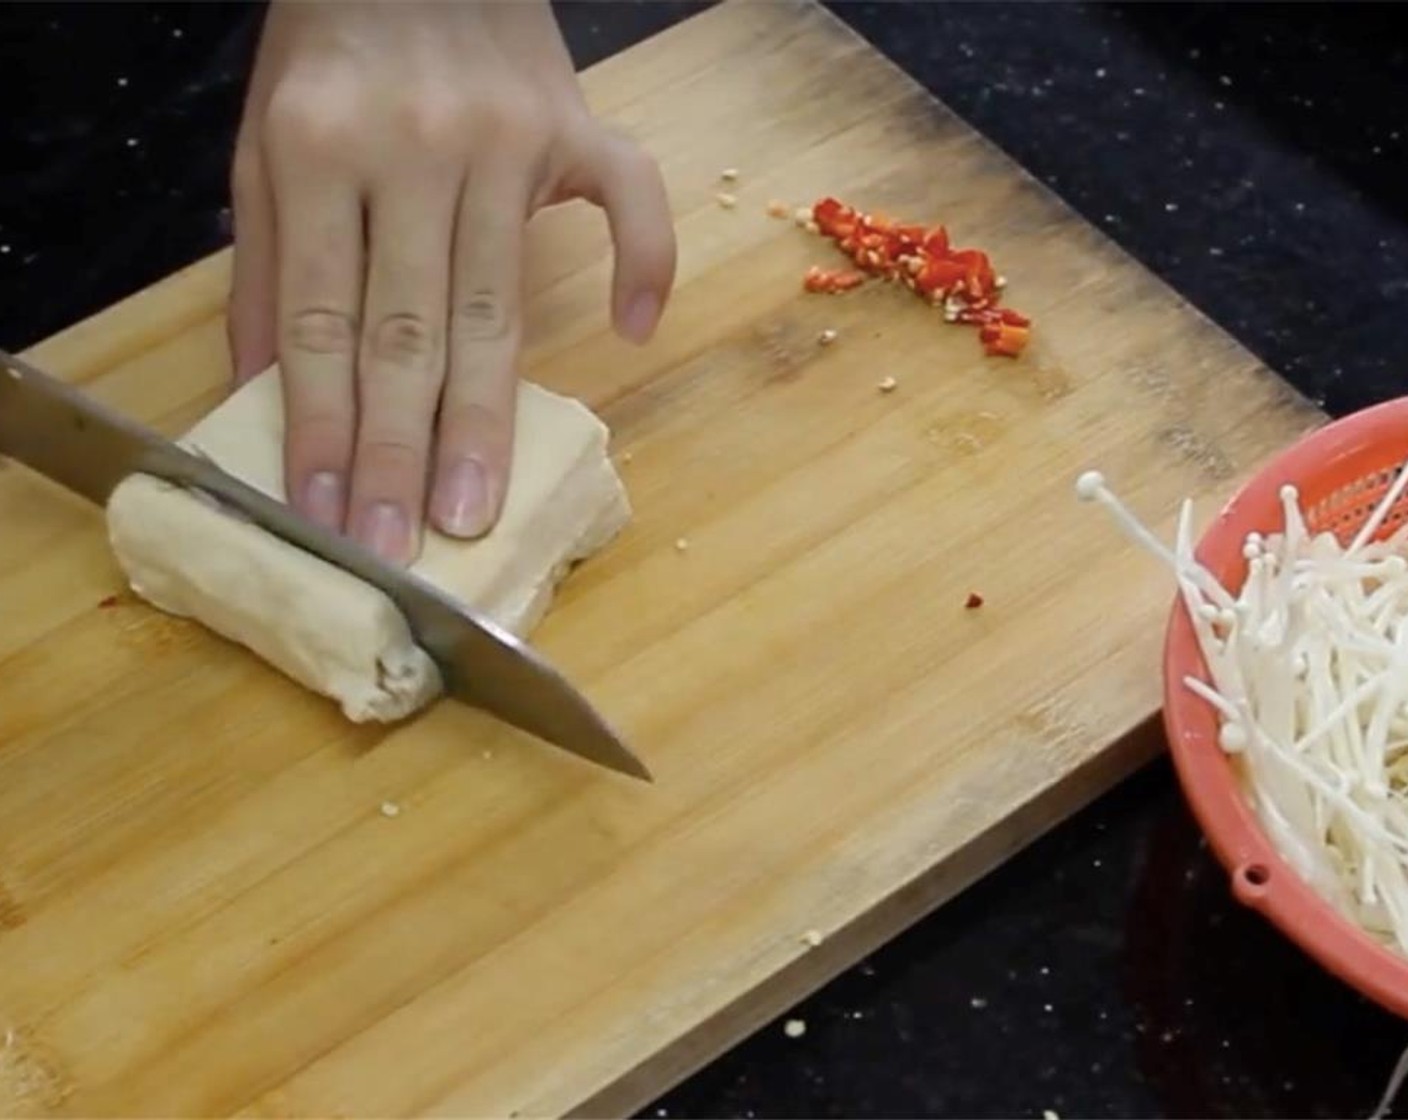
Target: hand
{"type": "Point", "coordinates": [388, 160]}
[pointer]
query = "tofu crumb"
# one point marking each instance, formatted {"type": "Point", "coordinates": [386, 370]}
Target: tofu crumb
{"type": "Point", "coordinates": [827, 337]}
{"type": "Point", "coordinates": [812, 937]}
{"type": "Point", "coordinates": [729, 174]}
{"type": "Point", "coordinates": [802, 215]}
{"type": "Point", "coordinates": [726, 200]}
{"type": "Point", "coordinates": [390, 809]}
{"type": "Point", "coordinates": [778, 209]}
{"type": "Point", "coordinates": [795, 1028]}
{"type": "Point", "coordinates": [887, 385]}
{"type": "Point", "coordinates": [681, 545]}
{"type": "Point", "coordinates": [812, 227]}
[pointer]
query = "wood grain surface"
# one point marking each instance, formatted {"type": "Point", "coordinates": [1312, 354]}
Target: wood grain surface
{"type": "Point", "coordinates": [202, 910]}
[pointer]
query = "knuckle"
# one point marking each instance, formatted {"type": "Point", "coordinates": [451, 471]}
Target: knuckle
{"type": "Point", "coordinates": [474, 424]}
{"type": "Point", "coordinates": [482, 314]}
{"type": "Point", "coordinates": [405, 338]}
{"type": "Point", "coordinates": [432, 119]}
{"type": "Point", "coordinates": [323, 427]}
{"type": "Point", "coordinates": [314, 120]}
{"type": "Point", "coordinates": [320, 330]}
{"type": "Point", "coordinates": [391, 455]}
{"type": "Point", "coordinates": [516, 119]}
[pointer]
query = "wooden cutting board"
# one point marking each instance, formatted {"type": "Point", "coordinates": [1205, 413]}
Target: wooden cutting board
{"type": "Point", "coordinates": [202, 910]}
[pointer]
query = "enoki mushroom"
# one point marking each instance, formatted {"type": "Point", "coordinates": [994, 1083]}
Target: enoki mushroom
{"type": "Point", "coordinates": [1308, 668]}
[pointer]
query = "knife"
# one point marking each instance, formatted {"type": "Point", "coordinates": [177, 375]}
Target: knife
{"type": "Point", "coordinates": [89, 448]}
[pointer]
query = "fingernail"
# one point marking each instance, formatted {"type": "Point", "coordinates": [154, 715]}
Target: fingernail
{"type": "Point", "coordinates": [385, 530]}
{"type": "Point", "coordinates": [323, 499]}
{"type": "Point", "coordinates": [460, 504]}
{"type": "Point", "coordinates": [638, 320]}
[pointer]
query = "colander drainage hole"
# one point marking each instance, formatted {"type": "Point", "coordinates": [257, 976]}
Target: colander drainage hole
{"type": "Point", "coordinates": [1251, 880]}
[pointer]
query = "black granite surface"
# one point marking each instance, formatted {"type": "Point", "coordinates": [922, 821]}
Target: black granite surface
{"type": "Point", "coordinates": [1251, 155]}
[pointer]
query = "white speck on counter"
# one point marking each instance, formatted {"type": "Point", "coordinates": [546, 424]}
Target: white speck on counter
{"type": "Point", "coordinates": [4, 249]}
{"type": "Point", "coordinates": [887, 385]}
{"type": "Point", "coordinates": [122, 83]}
{"type": "Point", "coordinates": [729, 174]}
{"type": "Point", "coordinates": [132, 141]}
{"type": "Point", "coordinates": [795, 1028]}
{"type": "Point", "coordinates": [726, 200]}
{"type": "Point", "coordinates": [1171, 207]}
{"type": "Point", "coordinates": [682, 545]}
{"type": "Point", "coordinates": [390, 809]}
{"type": "Point", "coordinates": [1223, 79]}
{"type": "Point", "coordinates": [1048, 1114]}
{"type": "Point", "coordinates": [1214, 251]}
{"type": "Point", "coordinates": [802, 215]}
{"type": "Point", "coordinates": [977, 1003]}
{"type": "Point", "coordinates": [177, 33]}
{"type": "Point", "coordinates": [812, 937]}
{"type": "Point", "coordinates": [1047, 1008]}
{"type": "Point", "coordinates": [1100, 72]}
{"type": "Point", "coordinates": [827, 337]}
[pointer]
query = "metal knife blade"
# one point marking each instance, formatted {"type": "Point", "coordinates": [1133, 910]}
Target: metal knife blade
{"type": "Point", "coordinates": [80, 443]}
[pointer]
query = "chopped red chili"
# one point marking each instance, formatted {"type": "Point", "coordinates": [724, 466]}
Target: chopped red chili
{"type": "Point", "coordinates": [974, 601]}
{"type": "Point", "coordinates": [110, 601]}
{"type": "Point", "coordinates": [963, 281]}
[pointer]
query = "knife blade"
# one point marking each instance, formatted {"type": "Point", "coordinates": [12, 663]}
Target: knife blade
{"type": "Point", "coordinates": [59, 431]}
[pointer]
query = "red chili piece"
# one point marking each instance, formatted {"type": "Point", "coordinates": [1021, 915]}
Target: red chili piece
{"type": "Point", "coordinates": [963, 281]}
{"type": "Point", "coordinates": [110, 601]}
{"type": "Point", "coordinates": [974, 601]}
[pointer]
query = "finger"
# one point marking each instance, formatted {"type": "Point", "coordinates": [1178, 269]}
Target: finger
{"type": "Point", "coordinates": [622, 179]}
{"type": "Point", "coordinates": [318, 213]}
{"type": "Point", "coordinates": [477, 409]}
{"type": "Point", "coordinates": [251, 320]}
{"type": "Point", "coordinates": [401, 366]}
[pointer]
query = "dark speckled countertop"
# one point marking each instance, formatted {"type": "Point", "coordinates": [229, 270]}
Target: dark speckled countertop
{"type": "Point", "coordinates": [1251, 155]}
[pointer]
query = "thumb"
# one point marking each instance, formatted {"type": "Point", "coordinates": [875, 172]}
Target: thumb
{"type": "Point", "coordinates": [623, 180]}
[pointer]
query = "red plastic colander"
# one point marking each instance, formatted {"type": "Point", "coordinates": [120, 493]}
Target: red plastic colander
{"type": "Point", "coordinates": [1342, 471]}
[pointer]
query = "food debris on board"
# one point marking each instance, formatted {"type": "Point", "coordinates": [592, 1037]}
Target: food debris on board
{"type": "Point", "coordinates": [973, 602]}
{"type": "Point", "coordinates": [110, 601]}
{"type": "Point", "coordinates": [826, 337]}
{"type": "Point", "coordinates": [729, 174]}
{"type": "Point", "coordinates": [390, 809]}
{"type": "Point", "coordinates": [795, 1028]}
{"type": "Point", "coordinates": [778, 209]}
{"type": "Point", "coordinates": [960, 281]}
{"type": "Point", "coordinates": [887, 384]}
{"type": "Point", "coordinates": [726, 200]}
{"type": "Point", "coordinates": [682, 544]}
{"type": "Point", "coordinates": [812, 937]}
